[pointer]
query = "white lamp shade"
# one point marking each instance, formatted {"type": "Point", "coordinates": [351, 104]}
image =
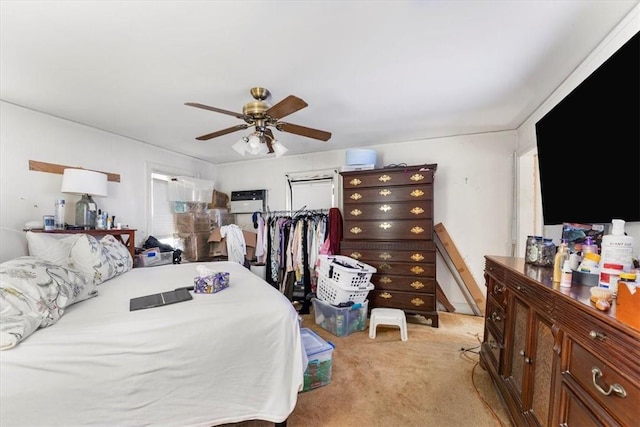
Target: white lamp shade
{"type": "Point", "coordinates": [240, 146]}
{"type": "Point", "coordinates": [82, 181]}
{"type": "Point", "coordinates": [278, 148]}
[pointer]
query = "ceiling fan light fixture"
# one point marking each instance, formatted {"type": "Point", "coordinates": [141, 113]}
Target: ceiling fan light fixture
{"type": "Point", "coordinates": [241, 146]}
{"type": "Point", "coordinates": [278, 148]}
{"type": "Point", "coordinates": [255, 145]}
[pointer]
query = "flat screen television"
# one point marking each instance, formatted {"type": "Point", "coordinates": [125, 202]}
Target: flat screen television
{"type": "Point", "coordinates": [589, 146]}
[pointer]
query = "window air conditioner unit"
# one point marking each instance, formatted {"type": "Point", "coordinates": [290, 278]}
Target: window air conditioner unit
{"type": "Point", "coordinates": [248, 201]}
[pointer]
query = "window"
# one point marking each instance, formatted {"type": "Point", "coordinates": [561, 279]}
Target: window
{"type": "Point", "coordinates": [312, 190]}
{"type": "Point", "coordinates": [162, 224]}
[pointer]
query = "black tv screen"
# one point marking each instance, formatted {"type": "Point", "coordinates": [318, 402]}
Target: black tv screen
{"type": "Point", "coordinates": [589, 146]}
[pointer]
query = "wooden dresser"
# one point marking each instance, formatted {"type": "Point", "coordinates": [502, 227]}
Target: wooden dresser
{"type": "Point", "coordinates": [388, 223]}
{"type": "Point", "coordinates": [555, 359]}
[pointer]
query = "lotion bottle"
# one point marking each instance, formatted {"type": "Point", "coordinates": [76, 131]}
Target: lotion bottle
{"type": "Point", "coordinates": [558, 263]}
{"type": "Point", "coordinates": [617, 247]}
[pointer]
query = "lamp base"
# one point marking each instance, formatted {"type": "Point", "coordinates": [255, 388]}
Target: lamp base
{"type": "Point", "coordinates": [86, 212]}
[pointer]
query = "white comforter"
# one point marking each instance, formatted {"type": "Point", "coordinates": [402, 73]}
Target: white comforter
{"type": "Point", "coordinates": [226, 357]}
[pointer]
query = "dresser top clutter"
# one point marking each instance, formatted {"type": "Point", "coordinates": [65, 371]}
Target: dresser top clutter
{"type": "Point", "coordinates": [579, 295]}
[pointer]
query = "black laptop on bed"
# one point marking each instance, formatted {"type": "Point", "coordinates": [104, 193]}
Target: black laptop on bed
{"type": "Point", "coordinates": [157, 300]}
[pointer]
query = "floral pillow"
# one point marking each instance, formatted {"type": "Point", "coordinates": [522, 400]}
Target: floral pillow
{"type": "Point", "coordinates": [100, 260]}
{"type": "Point", "coordinates": [34, 293]}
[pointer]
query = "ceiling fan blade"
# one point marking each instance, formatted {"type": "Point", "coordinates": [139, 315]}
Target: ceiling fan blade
{"type": "Point", "coordinates": [304, 131]}
{"type": "Point", "coordinates": [222, 132]}
{"type": "Point", "coordinates": [217, 110]}
{"type": "Point", "coordinates": [289, 105]}
{"type": "Point", "coordinates": [269, 140]}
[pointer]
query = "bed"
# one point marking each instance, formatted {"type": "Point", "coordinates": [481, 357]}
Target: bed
{"type": "Point", "coordinates": [224, 357]}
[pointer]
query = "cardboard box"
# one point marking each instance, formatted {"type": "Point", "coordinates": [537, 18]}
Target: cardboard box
{"type": "Point", "coordinates": [218, 245]}
{"type": "Point", "coordinates": [195, 246]}
{"type": "Point", "coordinates": [219, 200]}
{"type": "Point", "coordinates": [192, 222]}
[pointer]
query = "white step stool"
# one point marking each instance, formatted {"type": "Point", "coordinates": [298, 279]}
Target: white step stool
{"type": "Point", "coordinates": [388, 316]}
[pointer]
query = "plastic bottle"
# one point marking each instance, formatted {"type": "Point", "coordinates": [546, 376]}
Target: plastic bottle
{"type": "Point", "coordinates": [558, 263]}
{"type": "Point", "coordinates": [589, 246]}
{"type": "Point", "coordinates": [617, 247]}
{"type": "Point", "coordinates": [565, 276]}
{"type": "Point", "coordinates": [59, 215]}
{"type": "Point", "coordinates": [590, 263]}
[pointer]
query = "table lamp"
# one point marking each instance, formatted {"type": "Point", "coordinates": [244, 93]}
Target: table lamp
{"type": "Point", "coordinates": [87, 183]}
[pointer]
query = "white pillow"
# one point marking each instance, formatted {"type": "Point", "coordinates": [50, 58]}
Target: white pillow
{"type": "Point", "coordinates": [34, 293]}
{"type": "Point", "coordinates": [54, 248]}
{"type": "Point", "coordinates": [100, 260]}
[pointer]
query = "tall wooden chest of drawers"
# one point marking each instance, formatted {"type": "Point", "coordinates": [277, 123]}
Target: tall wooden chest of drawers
{"type": "Point", "coordinates": [388, 223]}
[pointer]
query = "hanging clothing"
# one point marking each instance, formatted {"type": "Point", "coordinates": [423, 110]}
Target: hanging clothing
{"type": "Point", "coordinates": [236, 246]}
{"type": "Point", "coordinates": [335, 231]}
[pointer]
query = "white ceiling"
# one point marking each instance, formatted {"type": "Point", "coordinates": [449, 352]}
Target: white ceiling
{"type": "Point", "coordinates": [372, 72]}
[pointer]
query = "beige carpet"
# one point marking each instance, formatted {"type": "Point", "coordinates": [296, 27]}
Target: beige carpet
{"type": "Point", "coordinates": [426, 381]}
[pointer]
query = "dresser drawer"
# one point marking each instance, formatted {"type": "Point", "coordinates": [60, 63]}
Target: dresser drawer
{"type": "Point", "coordinates": [493, 347]}
{"type": "Point", "coordinates": [414, 269]}
{"type": "Point", "coordinates": [597, 377]}
{"type": "Point", "coordinates": [417, 209]}
{"type": "Point", "coordinates": [496, 316]}
{"type": "Point", "coordinates": [387, 194]}
{"type": "Point", "coordinates": [402, 300]}
{"type": "Point", "coordinates": [407, 250]}
{"type": "Point", "coordinates": [389, 230]}
{"type": "Point", "coordinates": [404, 283]}
{"type": "Point", "coordinates": [389, 177]}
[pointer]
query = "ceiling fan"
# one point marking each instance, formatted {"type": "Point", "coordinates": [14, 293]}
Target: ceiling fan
{"type": "Point", "coordinates": [263, 116]}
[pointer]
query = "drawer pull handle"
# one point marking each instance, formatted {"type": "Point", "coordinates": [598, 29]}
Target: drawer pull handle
{"type": "Point", "coordinates": [386, 280]}
{"type": "Point", "coordinates": [416, 193]}
{"type": "Point", "coordinates": [417, 285]}
{"type": "Point", "coordinates": [417, 302]}
{"type": "Point", "coordinates": [526, 358]}
{"type": "Point", "coordinates": [417, 257]}
{"type": "Point", "coordinates": [597, 335]}
{"type": "Point", "coordinates": [417, 210]}
{"type": "Point", "coordinates": [355, 181]}
{"type": "Point", "coordinates": [385, 255]}
{"type": "Point", "coordinates": [384, 178]}
{"type": "Point", "coordinates": [495, 316]}
{"type": "Point", "coordinates": [386, 295]}
{"type": "Point", "coordinates": [356, 212]}
{"type": "Point", "coordinates": [356, 196]}
{"type": "Point", "coordinates": [498, 289]}
{"type": "Point", "coordinates": [615, 388]}
{"type": "Point", "coordinates": [356, 255]}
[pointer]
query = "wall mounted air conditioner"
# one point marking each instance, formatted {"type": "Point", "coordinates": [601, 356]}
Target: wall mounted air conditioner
{"type": "Point", "coordinates": [248, 201]}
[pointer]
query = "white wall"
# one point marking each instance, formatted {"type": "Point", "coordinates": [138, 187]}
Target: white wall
{"type": "Point", "coordinates": [529, 221]}
{"type": "Point", "coordinates": [28, 195]}
{"type": "Point", "coordinates": [472, 192]}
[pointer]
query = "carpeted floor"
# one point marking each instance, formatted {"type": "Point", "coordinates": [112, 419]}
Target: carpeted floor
{"type": "Point", "coordinates": [433, 379]}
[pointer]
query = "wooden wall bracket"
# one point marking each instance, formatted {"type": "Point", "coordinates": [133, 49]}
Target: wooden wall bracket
{"type": "Point", "coordinates": [59, 169]}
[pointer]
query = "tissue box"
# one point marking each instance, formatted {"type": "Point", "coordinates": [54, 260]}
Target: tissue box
{"type": "Point", "coordinates": [211, 284]}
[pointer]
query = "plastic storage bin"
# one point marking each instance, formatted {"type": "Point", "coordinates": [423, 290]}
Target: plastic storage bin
{"type": "Point", "coordinates": [319, 352]}
{"type": "Point", "coordinates": [333, 293]}
{"type": "Point", "coordinates": [340, 321]}
{"type": "Point", "coordinates": [153, 258]}
{"type": "Point", "coordinates": [345, 271]}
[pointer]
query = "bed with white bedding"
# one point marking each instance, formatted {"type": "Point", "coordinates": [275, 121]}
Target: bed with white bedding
{"type": "Point", "coordinates": [224, 357]}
